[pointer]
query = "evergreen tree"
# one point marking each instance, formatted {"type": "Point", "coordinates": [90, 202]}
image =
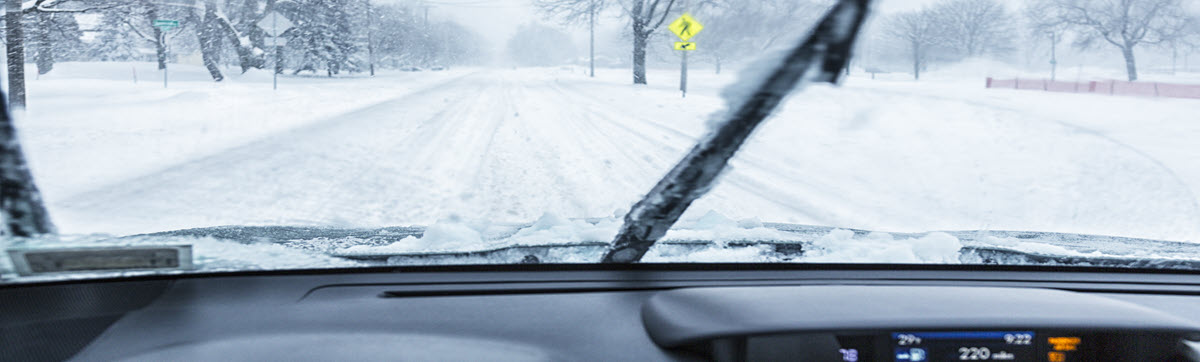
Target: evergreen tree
{"type": "Point", "coordinates": [51, 37]}
{"type": "Point", "coordinates": [322, 35]}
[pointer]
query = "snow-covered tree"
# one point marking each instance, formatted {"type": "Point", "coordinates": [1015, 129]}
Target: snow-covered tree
{"type": "Point", "coordinates": [575, 12]}
{"type": "Point", "coordinates": [1124, 24]}
{"type": "Point", "coordinates": [113, 41]}
{"type": "Point", "coordinates": [454, 44]}
{"type": "Point", "coordinates": [15, 36]}
{"type": "Point", "coordinates": [397, 31]}
{"type": "Point", "coordinates": [52, 37]}
{"type": "Point", "coordinates": [322, 35]}
{"type": "Point", "coordinates": [208, 35]}
{"type": "Point", "coordinates": [919, 30]}
{"type": "Point", "coordinates": [975, 28]}
{"type": "Point", "coordinates": [645, 17]}
{"type": "Point", "coordinates": [745, 29]}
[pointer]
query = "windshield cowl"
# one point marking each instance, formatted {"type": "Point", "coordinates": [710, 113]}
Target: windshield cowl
{"type": "Point", "coordinates": [553, 240]}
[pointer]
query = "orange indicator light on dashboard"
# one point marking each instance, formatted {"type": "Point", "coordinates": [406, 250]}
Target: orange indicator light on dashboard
{"type": "Point", "coordinates": [1064, 343]}
{"type": "Point", "coordinates": [1056, 357]}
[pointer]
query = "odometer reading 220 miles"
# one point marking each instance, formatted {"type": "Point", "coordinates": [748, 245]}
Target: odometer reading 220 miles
{"type": "Point", "coordinates": [964, 346]}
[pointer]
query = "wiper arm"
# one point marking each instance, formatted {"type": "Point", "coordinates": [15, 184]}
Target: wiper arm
{"type": "Point", "coordinates": [820, 58]}
{"type": "Point", "coordinates": [21, 207]}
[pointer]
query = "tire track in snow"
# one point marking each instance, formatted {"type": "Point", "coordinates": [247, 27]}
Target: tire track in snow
{"type": "Point", "coordinates": [735, 178]}
{"type": "Point", "coordinates": [355, 169]}
{"type": "Point", "coordinates": [841, 208]}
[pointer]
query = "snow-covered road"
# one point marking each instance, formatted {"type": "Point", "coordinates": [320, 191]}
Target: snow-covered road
{"type": "Point", "coordinates": [510, 145]}
{"type": "Point", "coordinates": [483, 146]}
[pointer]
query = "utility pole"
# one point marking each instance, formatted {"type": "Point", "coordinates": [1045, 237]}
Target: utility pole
{"type": "Point", "coordinates": [370, 45]}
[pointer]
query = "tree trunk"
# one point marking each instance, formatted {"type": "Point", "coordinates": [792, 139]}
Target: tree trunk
{"type": "Point", "coordinates": [639, 43]}
{"type": "Point", "coordinates": [15, 44]}
{"type": "Point", "coordinates": [370, 45]}
{"type": "Point", "coordinates": [1174, 57]}
{"type": "Point", "coordinates": [45, 49]}
{"type": "Point", "coordinates": [1130, 62]}
{"type": "Point", "coordinates": [24, 212]}
{"type": "Point", "coordinates": [246, 57]}
{"type": "Point", "coordinates": [592, 40]}
{"type": "Point", "coordinates": [640, 59]}
{"type": "Point", "coordinates": [210, 50]}
{"type": "Point", "coordinates": [916, 61]}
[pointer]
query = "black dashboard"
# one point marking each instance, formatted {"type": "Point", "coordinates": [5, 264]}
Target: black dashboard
{"type": "Point", "coordinates": [613, 312]}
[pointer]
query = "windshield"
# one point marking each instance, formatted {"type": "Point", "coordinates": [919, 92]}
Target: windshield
{"type": "Point", "coordinates": [277, 134]}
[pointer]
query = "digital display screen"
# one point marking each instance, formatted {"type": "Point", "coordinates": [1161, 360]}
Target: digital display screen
{"type": "Point", "coordinates": [967, 346]}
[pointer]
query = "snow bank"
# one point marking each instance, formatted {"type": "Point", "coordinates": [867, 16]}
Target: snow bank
{"type": "Point", "coordinates": [450, 234]}
{"type": "Point", "coordinates": [720, 229]}
{"type": "Point", "coordinates": [552, 229]}
{"type": "Point", "coordinates": [750, 254]}
{"type": "Point", "coordinates": [844, 246]}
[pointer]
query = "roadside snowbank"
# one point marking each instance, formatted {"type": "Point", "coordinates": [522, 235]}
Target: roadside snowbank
{"type": "Point", "coordinates": [551, 229]}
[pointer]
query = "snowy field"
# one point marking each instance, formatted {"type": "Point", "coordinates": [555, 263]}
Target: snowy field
{"type": "Point", "coordinates": [510, 145]}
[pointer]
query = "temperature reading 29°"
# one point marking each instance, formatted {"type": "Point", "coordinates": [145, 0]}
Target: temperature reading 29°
{"type": "Point", "coordinates": [1018, 338]}
{"type": "Point", "coordinates": [907, 339]}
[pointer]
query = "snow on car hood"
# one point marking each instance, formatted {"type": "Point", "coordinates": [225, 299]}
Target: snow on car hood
{"type": "Point", "coordinates": [712, 238]}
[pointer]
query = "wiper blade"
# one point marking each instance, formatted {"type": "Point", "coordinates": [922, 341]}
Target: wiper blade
{"type": "Point", "coordinates": [820, 58]}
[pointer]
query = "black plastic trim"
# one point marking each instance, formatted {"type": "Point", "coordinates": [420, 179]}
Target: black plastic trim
{"type": "Point", "coordinates": [637, 267]}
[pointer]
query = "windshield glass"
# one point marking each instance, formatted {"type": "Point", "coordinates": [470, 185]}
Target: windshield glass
{"type": "Point", "coordinates": [269, 134]}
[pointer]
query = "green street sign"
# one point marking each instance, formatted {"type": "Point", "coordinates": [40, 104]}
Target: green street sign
{"type": "Point", "coordinates": [166, 23]}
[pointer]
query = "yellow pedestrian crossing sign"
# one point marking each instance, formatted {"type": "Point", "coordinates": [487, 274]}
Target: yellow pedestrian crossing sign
{"type": "Point", "coordinates": [685, 45]}
{"type": "Point", "coordinates": [685, 27]}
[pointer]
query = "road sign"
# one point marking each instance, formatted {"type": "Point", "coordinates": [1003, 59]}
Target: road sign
{"type": "Point", "coordinates": [685, 45]}
{"type": "Point", "coordinates": [685, 27]}
{"type": "Point", "coordinates": [275, 24]}
{"type": "Point", "coordinates": [166, 24]}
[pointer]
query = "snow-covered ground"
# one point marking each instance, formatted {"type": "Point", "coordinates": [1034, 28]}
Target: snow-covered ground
{"type": "Point", "coordinates": [510, 145]}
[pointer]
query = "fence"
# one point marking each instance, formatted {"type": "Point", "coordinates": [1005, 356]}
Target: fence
{"type": "Point", "coordinates": [1109, 87]}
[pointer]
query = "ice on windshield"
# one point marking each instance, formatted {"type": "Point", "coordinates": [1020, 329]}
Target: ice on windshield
{"type": "Point", "coordinates": [488, 124]}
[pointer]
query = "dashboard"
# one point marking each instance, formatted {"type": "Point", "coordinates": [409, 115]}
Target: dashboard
{"type": "Point", "coordinates": [613, 312]}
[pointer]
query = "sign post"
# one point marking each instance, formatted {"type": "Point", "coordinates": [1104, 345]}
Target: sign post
{"type": "Point", "coordinates": [275, 25]}
{"type": "Point", "coordinates": [164, 25]}
{"type": "Point", "coordinates": [685, 27]}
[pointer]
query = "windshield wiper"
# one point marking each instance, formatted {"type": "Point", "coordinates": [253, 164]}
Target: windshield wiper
{"type": "Point", "coordinates": [21, 205]}
{"type": "Point", "coordinates": [820, 58]}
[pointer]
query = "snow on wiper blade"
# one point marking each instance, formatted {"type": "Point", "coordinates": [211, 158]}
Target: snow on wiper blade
{"type": "Point", "coordinates": [820, 58]}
